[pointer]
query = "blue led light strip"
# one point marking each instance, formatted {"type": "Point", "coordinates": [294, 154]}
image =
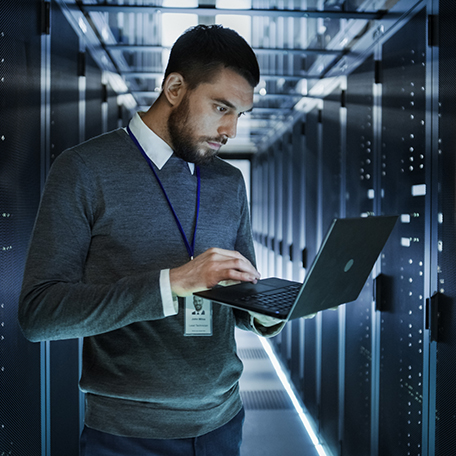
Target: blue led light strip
{"type": "Point", "coordinates": [302, 413]}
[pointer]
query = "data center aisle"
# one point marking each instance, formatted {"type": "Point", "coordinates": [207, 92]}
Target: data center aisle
{"type": "Point", "coordinates": [272, 425]}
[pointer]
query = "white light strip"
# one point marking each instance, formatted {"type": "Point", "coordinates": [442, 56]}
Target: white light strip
{"type": "Point", "coordinates": [286, 384]}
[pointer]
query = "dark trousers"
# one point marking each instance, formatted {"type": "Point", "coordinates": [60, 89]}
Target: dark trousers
{"type": "Point", "coordinates": [224, 441]}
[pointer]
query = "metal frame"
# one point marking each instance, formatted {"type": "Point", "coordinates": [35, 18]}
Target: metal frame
{"type": "Point", "coordinates": [258, 51]}
{"type": "Point", "coordinates": [45, 148]}
{"type": "Point", "coordinates": [431, 230]}
{"type": "Point", "coordinates": [205, 11]}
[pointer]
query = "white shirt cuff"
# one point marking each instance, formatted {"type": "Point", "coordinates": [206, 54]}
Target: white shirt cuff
{"type": "Point", "coordinates": [170, 303]}
{"type": "Point", "coordinates": [265, 326]}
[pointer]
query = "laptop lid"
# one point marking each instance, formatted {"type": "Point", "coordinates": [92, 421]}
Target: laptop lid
{"type": "Point", "coordinates": [343, 263]}
{"type": "Point", "coordinates": [337, 275]}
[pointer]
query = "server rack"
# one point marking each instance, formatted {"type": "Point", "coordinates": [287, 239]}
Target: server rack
{"type": "Point", "coordinates": [375, 375]}
{"type": "Point", "coordinates": [20, 180]}
{"type": "Point", "coordinates": [52, 97]}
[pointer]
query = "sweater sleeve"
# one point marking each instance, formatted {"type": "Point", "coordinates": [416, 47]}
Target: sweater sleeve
{"type": "Point", "coordinates": [56, 302]}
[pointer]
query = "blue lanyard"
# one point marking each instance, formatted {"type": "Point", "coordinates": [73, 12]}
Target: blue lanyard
{"type": "Point", "coordinates": [190, 248]}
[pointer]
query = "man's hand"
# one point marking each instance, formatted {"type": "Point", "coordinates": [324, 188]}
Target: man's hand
{"type": "Point", "coordinates": [208, 269]}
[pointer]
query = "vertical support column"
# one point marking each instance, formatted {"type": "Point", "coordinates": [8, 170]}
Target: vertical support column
{"type": "Point", "coordinates": [45, 153]}
{"type": "Point", "coordinates": [319, 239]}
{"type": "Point", "coordinates": [376, 315]}
{"type": "Point", "coordinates": [277, 177]}
{"type": "Point", "coordinates": [342, 213]}
{"type": "Point", "coordinates": [431, 224]}
{"type": "Point", "coordinates": [271, 212]}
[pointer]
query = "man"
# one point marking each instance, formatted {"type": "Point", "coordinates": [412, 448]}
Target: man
{"type": "Point", "coordinates": [133, 222]}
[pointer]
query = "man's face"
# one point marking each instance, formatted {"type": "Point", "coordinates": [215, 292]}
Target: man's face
{"type": "Point", "coordinates": [207, 116]}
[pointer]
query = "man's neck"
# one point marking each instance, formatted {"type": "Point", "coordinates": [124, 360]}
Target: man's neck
{"type": "Point", "coordinates": [156, 118]}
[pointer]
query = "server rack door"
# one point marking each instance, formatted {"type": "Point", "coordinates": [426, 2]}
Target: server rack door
{"type": "Point", "coordinates": [297, 164]}
{"type": "Point", "coordinates": [271, 214]}
{"type": "Point", "coordinates": [64, 84]}
{"type": "Point", "coordinates": [330, 203]}
{"type": "Point", "coordinates": [258, 212]}
{"type": "Point", "coordinates": [313, 125]}
{"type": "Point", "coordinates": [278, 209]}
{"type": "Point", "coordinates": [287, 197]}
{"type": "Point", "coordinates": [265, 213]}
{"type": "Point", "coordinates": [285, 234]}
{"type": "Point", "coordinates": [20, 182]}
{"type": "Point", "coordinates": [64, 132]}
{"type": "Point", "coordinates": [445, 419]}
{"type": "Point", "coordinates": [404, 187]}
{"type": "Point", "coordinates": [276, 213]}
{"type": "Point", "coordinates": [359, 201]}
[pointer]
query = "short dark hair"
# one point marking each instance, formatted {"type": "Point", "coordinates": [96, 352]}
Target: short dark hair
{"type": "Point", "coordinates": [203, 50]}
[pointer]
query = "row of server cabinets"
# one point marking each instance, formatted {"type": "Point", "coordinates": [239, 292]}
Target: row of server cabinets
{"type": "Point", "coordinates": [53, 95]}
{"type": "Point", "coordinates": [377, 375]}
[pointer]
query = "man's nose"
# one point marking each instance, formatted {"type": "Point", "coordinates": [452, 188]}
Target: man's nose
{"type": "Point", "coordinates": [228, 127]}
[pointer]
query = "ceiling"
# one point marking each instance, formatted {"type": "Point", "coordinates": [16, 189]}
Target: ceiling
{"type": "Point", "coordinates": [300, 45]}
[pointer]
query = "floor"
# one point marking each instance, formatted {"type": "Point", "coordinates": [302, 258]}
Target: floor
{"type": "Point", "coordinates": [272, 425]}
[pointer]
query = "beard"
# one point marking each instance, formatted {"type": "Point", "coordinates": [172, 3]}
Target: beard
{"type": "Point", "coordinates": [185, 145]}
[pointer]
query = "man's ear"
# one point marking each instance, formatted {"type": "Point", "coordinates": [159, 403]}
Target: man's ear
{"type": "Point", "coordinates": [174, 88]}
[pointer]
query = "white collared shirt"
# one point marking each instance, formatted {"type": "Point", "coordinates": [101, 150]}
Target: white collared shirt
{"type": "Point", "coordinates": [156, 149]}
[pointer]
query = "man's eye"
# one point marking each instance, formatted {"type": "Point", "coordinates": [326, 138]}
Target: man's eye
{"type": "Point", "coordinates": [221, 109]}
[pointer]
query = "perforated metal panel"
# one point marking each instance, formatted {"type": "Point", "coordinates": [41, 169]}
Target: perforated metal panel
{"type": "Point", "coordinates": [360, 141]}
{"type": "Point", "coordinates": [359, 200]}
{"type": "Point", "coordinates": [404, 187]}
{"type": "Point", "coordinates": [298, 165]}
{"type": "Point", "coordinates": [20, 50]}
{"type": "Point", "coordinates": [64, 361]}
{"type": "Point", "coordinates": [446, 347]}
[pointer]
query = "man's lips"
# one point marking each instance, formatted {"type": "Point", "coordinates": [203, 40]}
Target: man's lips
{"type": "Point", "coordinates": [214, 145]}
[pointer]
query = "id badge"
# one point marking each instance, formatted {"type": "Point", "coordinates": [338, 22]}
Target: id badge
{"type": "Point", "coordinates": [198, 316]}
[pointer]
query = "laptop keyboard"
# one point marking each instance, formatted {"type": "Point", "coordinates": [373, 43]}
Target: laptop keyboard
{"type": "Point", "coordinates": [281, 300]}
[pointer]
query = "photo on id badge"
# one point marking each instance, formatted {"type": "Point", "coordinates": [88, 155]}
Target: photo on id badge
{"type": "Point", "coordinates": [198, 316]}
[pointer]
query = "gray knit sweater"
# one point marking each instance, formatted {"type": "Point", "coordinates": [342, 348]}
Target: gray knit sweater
{"type": "Point", "coordinates": [103, 233]}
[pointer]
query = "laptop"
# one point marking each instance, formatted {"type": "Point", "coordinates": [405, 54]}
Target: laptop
{"type": "Point", "coordinates": [337, 275]}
